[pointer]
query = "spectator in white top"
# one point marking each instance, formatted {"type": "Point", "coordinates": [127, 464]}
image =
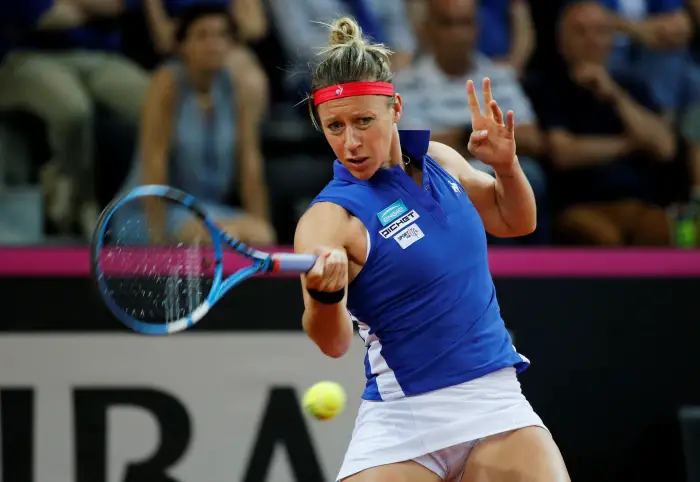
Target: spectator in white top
{"type": "Point", "coordinates": [299, 26]}
{"type": "Point", "coordinates": [433, 89]}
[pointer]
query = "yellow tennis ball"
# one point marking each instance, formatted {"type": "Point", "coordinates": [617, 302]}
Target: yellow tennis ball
{"type": "Point", "coordinates": [324, 400]}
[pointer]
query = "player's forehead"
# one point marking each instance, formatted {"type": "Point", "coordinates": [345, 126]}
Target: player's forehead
{"type": "Point", "coordinates": [351, 106]}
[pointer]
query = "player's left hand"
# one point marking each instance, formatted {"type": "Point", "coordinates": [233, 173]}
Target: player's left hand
{"type": "Point", "coordinates": [493, 138]}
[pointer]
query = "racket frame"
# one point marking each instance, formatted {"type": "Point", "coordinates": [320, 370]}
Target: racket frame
{"type": "Point", "coordinates": [262, 262]}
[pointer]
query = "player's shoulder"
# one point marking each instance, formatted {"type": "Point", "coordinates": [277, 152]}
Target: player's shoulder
{"type": "Point", "coordinates": [328, 202]}
{"type": "Point", "coordinates": [323, 217]}
{"type": "Point", "coordinates": [444, 155]}
{"type": "Point", "coordinates": [450, 160]}
{"type": "Point", "coordinates": [323, 211]}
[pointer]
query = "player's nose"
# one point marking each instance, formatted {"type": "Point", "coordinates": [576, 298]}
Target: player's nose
{"type": "Point", "coordinates": [352, 140]}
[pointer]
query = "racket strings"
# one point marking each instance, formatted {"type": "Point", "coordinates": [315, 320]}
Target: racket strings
{"type": "Point", "coordinates": [156, 281]}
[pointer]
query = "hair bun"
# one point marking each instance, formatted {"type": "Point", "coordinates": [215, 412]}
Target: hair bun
{"type": "Point", "coordinates": [345, 31]}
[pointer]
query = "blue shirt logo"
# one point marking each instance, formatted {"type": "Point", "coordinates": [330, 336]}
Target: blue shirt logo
{"type": "Point", "coordinates": [392, 212]}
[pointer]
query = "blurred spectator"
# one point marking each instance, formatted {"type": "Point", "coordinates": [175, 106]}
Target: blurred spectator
{"type": "Point", "coordinates": [690, 125]}
{"type": "Point", "coordinates": [416, 10]}
{"type": "Point", "coordinates": [200, 132]}
{"type": "Point", "coordinates": [299, 27]}
{"type": "Point", "coordinates": [63, 62]}
{"type": "Point", "coordinates": [608, 140]}
{"type": "Point", "coordinates": [434, 92]}
{"type": "Point", "coordinates": [248, 16]}
{"type": "Point", "coordinates": [652, 44]}
{"type": "Point", "coordinates": [509, 35]}
{"type": "Point", "coordinates": [152, 25]}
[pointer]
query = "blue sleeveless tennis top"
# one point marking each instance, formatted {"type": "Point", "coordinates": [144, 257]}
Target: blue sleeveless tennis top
{"type": "Point", "coordinates": [424, 301]}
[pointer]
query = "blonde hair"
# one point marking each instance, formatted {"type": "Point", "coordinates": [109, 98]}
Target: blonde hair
{"type": "Point", "coordinates": [349, 57]}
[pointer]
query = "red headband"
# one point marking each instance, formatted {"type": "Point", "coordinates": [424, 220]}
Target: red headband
{"type": "Point", "coordinates": [352, 89]}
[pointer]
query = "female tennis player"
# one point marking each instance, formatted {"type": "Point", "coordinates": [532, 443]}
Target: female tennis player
{"type": "Point", "coordinates": [400, 231]}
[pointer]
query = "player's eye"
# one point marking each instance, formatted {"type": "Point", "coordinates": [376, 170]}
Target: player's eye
{"type": "Point", "coordinates": [334, 126]}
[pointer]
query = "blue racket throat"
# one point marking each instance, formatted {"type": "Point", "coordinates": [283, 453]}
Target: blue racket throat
{"type": "Point", "coordinates": [156, 283]}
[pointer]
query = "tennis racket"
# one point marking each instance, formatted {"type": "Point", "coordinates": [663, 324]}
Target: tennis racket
{"type": "Point", "coordinates": [157, 281]}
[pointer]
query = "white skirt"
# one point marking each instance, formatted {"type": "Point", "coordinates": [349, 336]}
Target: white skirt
{"type": "Point", "coordinates": [438, 429]}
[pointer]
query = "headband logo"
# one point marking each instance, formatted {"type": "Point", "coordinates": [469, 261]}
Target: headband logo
{"type": "Point", "coordinates": [350, 89]}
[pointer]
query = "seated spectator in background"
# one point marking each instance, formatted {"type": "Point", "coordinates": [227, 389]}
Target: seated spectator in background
{"type": "Point", "coordinates": [607, 137]}
{"type": "Point", "coordinates": [200, 132]}
{"type": "Point", "coordinates": [690, 123]}
{"type": "Point", "coordinates": [59, 75]}
{"type": "Point", "coordinates": [434, 88]}
{"type": "Point", "coordinates": [509, 38]}
{"type": "Point", "coordinates": [40, 15]}
{"type": "Point", "coordinates": [652, 44]}
{"type": "Point", "coordinates": [416, 10]}
{"type": "Point", "coordinates": [151, 26]}
{"type": "Point", "coordinates": [299, 27]}
{"type": "Point", "coordinates": [248, 16]}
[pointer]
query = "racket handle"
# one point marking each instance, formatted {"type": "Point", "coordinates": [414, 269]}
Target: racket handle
{"type": "Point", "coordinates": [295, 263]}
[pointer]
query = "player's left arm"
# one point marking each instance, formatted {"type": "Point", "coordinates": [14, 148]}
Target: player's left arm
{"type": "Point", "coordinates": [505, 203]}
{"type": "Point", "coordinates": [251, 91]}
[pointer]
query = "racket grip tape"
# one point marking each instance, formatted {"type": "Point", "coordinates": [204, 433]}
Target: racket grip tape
{"type": "Point", "coordinates": [293, 263]}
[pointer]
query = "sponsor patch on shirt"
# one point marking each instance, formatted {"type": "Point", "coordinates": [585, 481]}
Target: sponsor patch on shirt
{"type": "Point", "coordinates": [391, 212]}
{"type": "Point", "coordinates": [409, 236]}
{"type": "Point", "coordinates": [400, 223]}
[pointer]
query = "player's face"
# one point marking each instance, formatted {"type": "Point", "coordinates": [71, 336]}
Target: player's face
{"type": "Point", "coordinates": [207, 42]}
{"type": "Point", "coordinates": [359, 130]}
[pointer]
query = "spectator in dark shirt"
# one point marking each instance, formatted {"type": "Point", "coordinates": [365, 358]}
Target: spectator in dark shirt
{"type": "Point", "coordinates": [435, 84]}
{"type": "Point", "coordinates": [607, 139]}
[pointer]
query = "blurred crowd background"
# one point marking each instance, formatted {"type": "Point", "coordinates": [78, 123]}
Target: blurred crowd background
{"type": "Point", "coordinates": [97, 96]}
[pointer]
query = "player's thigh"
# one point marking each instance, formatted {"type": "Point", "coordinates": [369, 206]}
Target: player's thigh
{"type": "Point", "coordinates": [408, 471]}
{"type": "Point", "coordinates": [523, 455]}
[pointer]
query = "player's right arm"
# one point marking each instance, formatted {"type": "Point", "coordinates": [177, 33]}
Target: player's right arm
{"type": "Point", "coordinates": [324, 230]}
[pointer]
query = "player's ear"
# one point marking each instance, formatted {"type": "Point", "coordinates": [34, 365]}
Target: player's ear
{"type": "Point", "coordinates": [397, 106]}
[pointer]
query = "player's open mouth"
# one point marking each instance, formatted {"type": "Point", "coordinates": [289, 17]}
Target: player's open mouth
{"type": "Point", "coordinates": [357, 161]}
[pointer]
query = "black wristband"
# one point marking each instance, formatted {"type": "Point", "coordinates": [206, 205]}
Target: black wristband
{"type": "Point", "coordinates": [327, 298]}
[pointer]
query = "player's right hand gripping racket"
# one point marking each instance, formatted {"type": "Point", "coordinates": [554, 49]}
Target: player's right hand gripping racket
{"type": "Point", "coordinates": [158, 282]}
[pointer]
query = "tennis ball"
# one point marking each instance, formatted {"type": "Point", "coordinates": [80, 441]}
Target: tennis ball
{"type": "Point", "coordinates": [324, 400]}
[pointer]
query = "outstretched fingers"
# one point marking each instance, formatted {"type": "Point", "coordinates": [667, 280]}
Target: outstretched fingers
{"type": "Point", "coordinates": [510, 121]}
{"type": "Point", "coordinates": [474, 106]}
{"type": "Point", "coordinates": [496, 112]}
{"type": "Point", "coordinates": [488, 96]}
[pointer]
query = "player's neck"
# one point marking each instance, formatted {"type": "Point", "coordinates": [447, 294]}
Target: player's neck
{"type": "Point", "coordinates": [395, 158]}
